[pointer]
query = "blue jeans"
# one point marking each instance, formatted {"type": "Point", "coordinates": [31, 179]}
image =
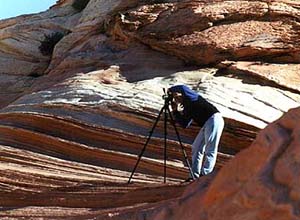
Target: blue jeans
{"type": "Point", "coordinates": [205, 146]}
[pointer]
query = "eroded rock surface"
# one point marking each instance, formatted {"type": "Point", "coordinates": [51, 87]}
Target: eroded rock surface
{"type": "Point", "coordinates": [283, 75]}
{"type": "Point", "coordinates": [205, 32]}
{"type": "Point", "coordinates": [265, 182]}
{"type": "Point", "coordinates": [72, 124]}
{"type": "Point", "coordinates": [20, 58]}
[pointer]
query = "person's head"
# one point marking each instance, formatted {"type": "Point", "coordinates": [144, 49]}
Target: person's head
{"type": "Point", "coordinates": [178, 97]}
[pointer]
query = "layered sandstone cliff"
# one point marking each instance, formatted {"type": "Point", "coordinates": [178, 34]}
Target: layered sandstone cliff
{"type": "Point", "coordinates": [72, 123]}
{"type": "Point", "coordinates": [262, 182]}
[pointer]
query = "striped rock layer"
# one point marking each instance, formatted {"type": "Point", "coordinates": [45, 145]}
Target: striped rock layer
{"type": "Point", "coordinates": [73, 124]}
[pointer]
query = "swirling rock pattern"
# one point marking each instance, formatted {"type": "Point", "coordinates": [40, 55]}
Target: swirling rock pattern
{"type": "Point", "coordinates": [265, 182]}
{"type": "Point", "coordinates": [72, 125]}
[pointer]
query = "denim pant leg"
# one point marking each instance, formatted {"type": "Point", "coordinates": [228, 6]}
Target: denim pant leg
{"type": "Point", "coordinates": [212, 131]}
{"type": "Point", "coordinates": [198, 147]}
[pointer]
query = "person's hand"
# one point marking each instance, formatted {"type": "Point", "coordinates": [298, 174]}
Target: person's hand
{"type": "Point", "coordinates": [174, 106]}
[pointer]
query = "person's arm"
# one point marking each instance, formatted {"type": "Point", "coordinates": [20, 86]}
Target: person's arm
{"type": "Point", "coordinates": [181, 118]}
{"type": "Point", "coordinates": [184, 120]}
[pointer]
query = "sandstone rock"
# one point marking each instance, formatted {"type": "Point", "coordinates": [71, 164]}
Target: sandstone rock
{"type": "Point", "coordinates": [265, 182]}
{"type": "Point", "coordinates": [198, 32]}
{"type": "Point", "coordinates": [70, 135]}
{"type": "Point", "coordinates": [97, 53]}
{"type": "Point", "coordinates": [20, 38]}
{"type": "Point", "coordinates": [13, 86]}
{"type": "Point", "coordinates": [97, 100]}
{"type": "Point", "coordinates": [285, 75]}
{"type": "Point", "coordinates": [92, 21]}
{"type": "Point", "coordinates": [61, 3]}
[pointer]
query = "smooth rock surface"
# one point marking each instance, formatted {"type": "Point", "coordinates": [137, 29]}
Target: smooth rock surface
{"type": "Point", "coordinates": [73, 124]}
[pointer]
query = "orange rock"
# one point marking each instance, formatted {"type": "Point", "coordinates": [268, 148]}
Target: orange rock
{"type": "Point", "coordinates": [261, 182]}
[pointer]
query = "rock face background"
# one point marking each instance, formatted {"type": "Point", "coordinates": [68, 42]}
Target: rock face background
{"type": "Point", "coordinates": [72, 123]}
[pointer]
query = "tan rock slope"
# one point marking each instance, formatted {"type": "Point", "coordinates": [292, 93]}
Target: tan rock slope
{"type": "Point", "coordinates": [73, 122]}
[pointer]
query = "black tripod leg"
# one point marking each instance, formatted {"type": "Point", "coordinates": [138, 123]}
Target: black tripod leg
{"type": "Point", "coordinates": [182, 148]}
{"type": "Point", "coordinates": [165, 138]}
{"type": "Point", "coordinates": [145, 145]}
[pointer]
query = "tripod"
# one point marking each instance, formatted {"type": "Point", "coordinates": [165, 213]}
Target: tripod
{"type": "Point", "coordinates": [165, 109]}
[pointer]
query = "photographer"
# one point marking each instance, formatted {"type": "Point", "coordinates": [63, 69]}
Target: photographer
{"type": "Point", "coordinates": [195, 108]}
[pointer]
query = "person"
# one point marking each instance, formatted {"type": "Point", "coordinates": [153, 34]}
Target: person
{"type": "Point", "coordinates": [195, 108]}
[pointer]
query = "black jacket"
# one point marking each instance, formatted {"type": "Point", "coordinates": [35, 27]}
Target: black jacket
{"type": "Point", "coordinates": [195, 107]}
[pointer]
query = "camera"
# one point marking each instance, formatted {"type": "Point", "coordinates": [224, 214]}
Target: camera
{"type": "Point", "coordinates": [168, 97]}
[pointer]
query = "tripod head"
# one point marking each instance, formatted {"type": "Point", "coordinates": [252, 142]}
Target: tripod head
{"type": "Point", "coordinates": [167, 96]}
